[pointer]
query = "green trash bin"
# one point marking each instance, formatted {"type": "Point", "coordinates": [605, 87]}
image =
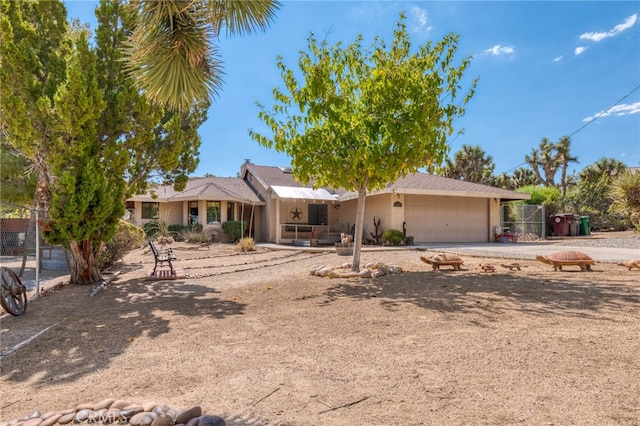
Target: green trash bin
{"type": "Point", "coordinates": [585, 225]}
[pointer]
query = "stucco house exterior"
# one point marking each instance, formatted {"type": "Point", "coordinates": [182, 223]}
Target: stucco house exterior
{"type": "Point", "coordinates": [425, 207]}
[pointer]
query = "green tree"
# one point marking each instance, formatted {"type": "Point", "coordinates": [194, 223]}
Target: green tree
{"type": "Point", "coordinates": [90, 134]}
{"type": "Point", "coordinates": [591, 195]}
{"type": "Point", "coordinates": [362, 118]}
{"type": "Point", "coordinates": [171, 51]}
{"type": "Point", "coordinates": [625, 191]}
{"type": "Point", "coordinates": [524, 176]}
{"type": "Point", "coordinates": [471, 164]}
{"type": "Point", "coordinates": [548, 159]}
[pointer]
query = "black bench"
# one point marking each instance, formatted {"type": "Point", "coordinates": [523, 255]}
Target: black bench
{"type": "Point", "coordinates": [161, 258]}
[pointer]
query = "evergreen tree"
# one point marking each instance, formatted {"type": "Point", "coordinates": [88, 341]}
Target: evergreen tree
{"type": "Point", "coordinates": [90, 134]}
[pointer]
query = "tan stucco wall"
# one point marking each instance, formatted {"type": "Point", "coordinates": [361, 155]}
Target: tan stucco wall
{"type": "Point", "coordinates": [494, 217]}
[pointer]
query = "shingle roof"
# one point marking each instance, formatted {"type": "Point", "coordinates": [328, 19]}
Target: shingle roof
{"type": "Point", "coordinates": [209, 188]}
{"type": "Point", "coordinates": [426, 184]}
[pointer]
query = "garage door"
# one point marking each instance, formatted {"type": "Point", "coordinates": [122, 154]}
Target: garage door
{"type": "Point", "coordinates": [432, 219]}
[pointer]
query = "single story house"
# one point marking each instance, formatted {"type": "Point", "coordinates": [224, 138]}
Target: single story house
{"type": "Point", "coordinates": [425, 207]}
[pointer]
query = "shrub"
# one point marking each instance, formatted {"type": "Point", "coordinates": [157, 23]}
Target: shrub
{"type": "Point", "coordinates": [246, 244]}
{"type": "Point", "coordinates": [233, 229]}
{"type": "Point", "coordinates": [151, 229]}
{"type": "Point", "coordinates": [127, 237]}
{"type": "Point", "coordinates": [214, 234]}
{"type": "Point", "coordinates": [392, 237]}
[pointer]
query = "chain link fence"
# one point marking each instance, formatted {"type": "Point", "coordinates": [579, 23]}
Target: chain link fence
{"type": "Point", "coordinates": [23, 250]}
{"type": "Point", "coordinates": [526, 221]}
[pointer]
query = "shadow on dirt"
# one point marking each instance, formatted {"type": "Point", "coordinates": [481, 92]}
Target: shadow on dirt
{"type": "Point", "coordinates": [481, 293]}
{"type": "Point", "coordinates": [89, 332]}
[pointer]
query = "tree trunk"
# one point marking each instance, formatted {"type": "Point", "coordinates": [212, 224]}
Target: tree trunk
{"type": "Point", "coordinates": [84, 269]}
{"type": "Point", "coordinates": [357, 240]}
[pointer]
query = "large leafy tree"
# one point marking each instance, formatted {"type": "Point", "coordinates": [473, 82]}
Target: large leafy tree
{"type": "Point", "coordinates": [364, 117]}
{"type": "Point", "coordinates": [471, 164]}
{"type": "Point", "coordinates": [172, 53]}
{"type": "Point", "coordinates": [90, 134]}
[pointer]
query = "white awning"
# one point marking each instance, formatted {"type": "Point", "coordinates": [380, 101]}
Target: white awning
{"type": "Point", "coordinates": [300, 193]}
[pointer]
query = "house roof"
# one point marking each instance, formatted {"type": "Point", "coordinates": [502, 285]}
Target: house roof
{"type": "Point", "coordinates": [208, 188]}
{"type": "Point", "coordinates": [302, 193]}
{"type": "Point", "coordinates": [426, 184]}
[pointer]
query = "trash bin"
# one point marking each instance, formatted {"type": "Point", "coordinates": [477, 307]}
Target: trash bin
{"type": "Point", "coordinates": [561, 224]}
{"type": "Point", "coordinates": [574, 226]}
{"type": "Point", "coordinates": [585, 225]}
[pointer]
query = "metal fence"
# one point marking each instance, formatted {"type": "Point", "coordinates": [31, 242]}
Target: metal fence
{"type": "Point", "coordinates": [23, 249]}
{"type": "Point", "coordinates": [526, 221]}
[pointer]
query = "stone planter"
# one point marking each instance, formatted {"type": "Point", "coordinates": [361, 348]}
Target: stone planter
{"type": "Point", "coordinates": [344, 249]}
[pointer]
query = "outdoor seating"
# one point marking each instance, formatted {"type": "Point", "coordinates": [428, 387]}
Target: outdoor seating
{"type": "Point", "coordinates": [161, 258]}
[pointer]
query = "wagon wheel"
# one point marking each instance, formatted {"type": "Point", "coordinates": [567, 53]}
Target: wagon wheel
{"type": "Point", "coordinates": [14, 293]}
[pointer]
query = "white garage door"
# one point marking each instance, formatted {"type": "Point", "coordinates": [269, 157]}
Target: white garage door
{"type": "Point", "coordinates": [432, 219]}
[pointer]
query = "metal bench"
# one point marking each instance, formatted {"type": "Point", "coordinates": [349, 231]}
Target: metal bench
{"type": "Point", "coordinates": [162, 257]}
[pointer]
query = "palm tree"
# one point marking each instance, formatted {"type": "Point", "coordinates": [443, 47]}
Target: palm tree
{"type": "Point", "coordinates": [171, 52]}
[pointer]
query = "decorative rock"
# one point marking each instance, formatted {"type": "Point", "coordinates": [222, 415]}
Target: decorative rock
{"type": "Point", "coordinates": [193, 422]}
{"type": "Point", "coordinates": [114, 415]}
{"type": "Point", "coordinates": [189, 414]}
{"type": "Point", "coordinates": [32, 422]}
{"type": "Point", "coordinates": [97, 416]}
{"type": "Point", "coordinates": [350, 274]}
{"type": "Point", "coordinates": [85, 407]}
{"type": "Point", "coordinates": [395, 269]}
{"type": "Point", "coordinates": [323, 272]}
{"type": "Point", "coordinates": [136, 420]}
{"type": "Point", "coordinates": [105, 403]}
{"type": "Point", "coordinates": [377, 273]}
{"type": "Point", "coordinates": [120, 404]}
{"type": "Point", "coordinates": [211, 421]}
{"type": "Point", "coordinates": [174, 412]}
{"type": "Point", "coordinates": [46, 415]}
{"type": "Point", "coordinates": [130, 411]}
{"type": "Point", "coordinates": [365, 273]}
{"type": "Point", "coordinates": [67, 418]}
{"type": "Point", "coordinates": [163, 420]}
{"type": "Point", "coordinates": [52, 420]}
{"type": "Point", "coordinates": [314, 270]}
{"type": "Point", "coordinates": [160, 409]}
{"type": "Point", "coordinates": [82, 415]}
{"type": "Point", "coordinates": [148, 419]}
{"type": "Point", "coordinates": [148, 406]}
{"type": "Point", "coordinates": [334, 274]}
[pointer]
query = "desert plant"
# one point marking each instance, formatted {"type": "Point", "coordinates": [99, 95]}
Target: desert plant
{"type": "Point", "coordinates": [233, 229]}
{"type": "Point", "coordinates": [127, 237]}
{"type": "Point", "coordinates": [246, 244]}
{"type": "Point", "coordinates": [392, 237]}
{"type": "Point", "coordinates": [193, 234]}
{"type": "Point", "coordinates": [625, 191]}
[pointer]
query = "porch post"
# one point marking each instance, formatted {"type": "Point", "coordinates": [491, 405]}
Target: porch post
{"type": "Point", "coordinates": [278, 227]}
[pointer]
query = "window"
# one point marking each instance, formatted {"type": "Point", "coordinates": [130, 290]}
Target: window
{"type": "Point", "coordinates": [150, 210]}
{"type": "Point", "coordinates": [231, 211]}
{"type": "Point", "coordinates": [318, 214]}
{"type": "Point", "coordinates": [193, 212]}
{"type": "Point", "coordinates": [213, 212]}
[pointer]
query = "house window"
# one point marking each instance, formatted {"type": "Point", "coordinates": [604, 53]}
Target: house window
{"type": "Point", "coordinates": [193, 212]}
{"type": "Point", "coordinates": [150, 210]}
{"type": "Point", "coordinates": [213, 212]}
{"type": "Point", "coordinates": [318, 214]}
{"type": "Point", "coordinates": [231, 210]}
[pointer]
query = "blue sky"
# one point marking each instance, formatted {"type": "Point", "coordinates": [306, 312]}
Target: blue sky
{"type": "Point", "coordinates": [546, 69]}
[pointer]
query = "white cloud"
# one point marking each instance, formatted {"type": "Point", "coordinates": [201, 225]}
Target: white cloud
{"type": "Point", "coordinates": [498, 50]}
{"type": "Point", "coordinates": [418, 20]}
{"type": "Point", "coordinates": [617, 110]}
{"type": "Point", "coordinates": [558, 59]}
{"type": "Point", "coordinates": [579, 50]}
{"type": "Point", "coordinates": [628, 23]}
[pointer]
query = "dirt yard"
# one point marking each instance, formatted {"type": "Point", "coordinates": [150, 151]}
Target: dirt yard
{"type": "Point", "coordinates": [253, 338]}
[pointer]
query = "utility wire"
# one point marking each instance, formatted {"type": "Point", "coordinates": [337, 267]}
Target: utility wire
{"type": "Point", "coordinates": [590, 121]}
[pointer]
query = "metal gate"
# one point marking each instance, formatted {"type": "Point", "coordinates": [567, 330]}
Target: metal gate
{"type": "Point", "coordinates": [524, 220]}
